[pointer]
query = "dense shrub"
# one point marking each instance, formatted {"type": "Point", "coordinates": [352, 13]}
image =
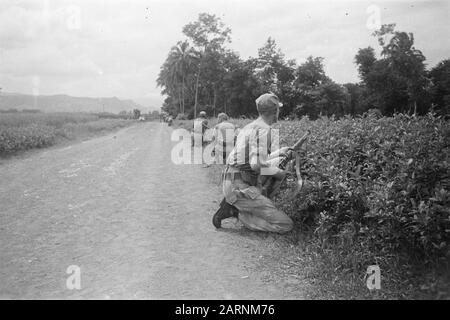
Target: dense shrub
{"type": "Point", "coordinates": [181, 116]}
{"type": "Point", "coordinates": [56, 119]}
{"type": "Point", "coordinates": [22, 138]}
{"type": "Point", "coordinates": [375, 184]}
{"type": "Point", "coordinates": [20, 131]}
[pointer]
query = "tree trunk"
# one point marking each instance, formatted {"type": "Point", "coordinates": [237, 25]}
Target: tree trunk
{"type": "Point", "coordinates": [179, 98]}
{"type": "Point", "coordinates": [182, 93]}
{"type": "Point", "coordinates": [214, 102]}
{"type": "Point", "coordinates": [197, 82]}
{"type": "Point", "coordinates": [196, 94]}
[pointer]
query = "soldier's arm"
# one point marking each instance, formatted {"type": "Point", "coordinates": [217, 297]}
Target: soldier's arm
{"type": "Point", "coordinates": [278, 153]}
{"type": "Point", "coordinates": [215, 134]}
{"type": "Point", "coordinates": [258, 156]}
{"type": "Point", "coordinates": [275, 138]}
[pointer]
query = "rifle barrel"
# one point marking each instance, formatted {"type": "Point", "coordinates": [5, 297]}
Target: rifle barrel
{"type": "Point", "coordinates": [301, 141]}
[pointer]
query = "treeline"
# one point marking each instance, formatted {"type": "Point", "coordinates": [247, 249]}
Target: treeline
{"type": "Point", "coordinates": [136, 114]}
{"type": "Point", "coordinates": [200, 73]}
{"type": "Point", "coordinates": [14, 110]}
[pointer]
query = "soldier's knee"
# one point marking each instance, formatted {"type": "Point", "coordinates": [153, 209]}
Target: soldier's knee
{"type": "Point", "coordinates": [286, 225]}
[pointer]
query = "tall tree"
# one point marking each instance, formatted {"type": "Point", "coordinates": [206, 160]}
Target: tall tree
{"type": "Point", "coordinates": [356, 99]}
{"type": "Point", "coordinates": [270, 61]}
{"type": "Point", "coordinates": [440, 91]}
{"type": "Point", "coordinates": [316, 93]}
{"type": "Point", "coordinates": [184, 58]}
{"type": "Point", "coordinates": [397, 81]}
{"type": "Point", "coordinates": [365, 59]}
{"type": "Point", "coordinates": [311, 73]}
{"type": "Point", "coordinates": [331, 99]}
{"type": "Point", "coordinates": [275, 74]}
{"type": "Point", "coordinates": [208, 34]}
{"type": "Point", "coordinates": [240, 87]}
{"type": "Point", "coordinates": [180, 63]}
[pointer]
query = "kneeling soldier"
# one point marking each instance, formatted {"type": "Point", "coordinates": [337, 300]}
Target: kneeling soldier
{"type": "Point", "coordinates": [247, 165]}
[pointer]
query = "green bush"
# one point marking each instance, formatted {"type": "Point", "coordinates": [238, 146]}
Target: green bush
{"type": "Point", "coordinates": [19, 131]}
{"type": "Point", "coordinates": [376, 185]}
{"type": "Point", "coordinates": [22, 138]}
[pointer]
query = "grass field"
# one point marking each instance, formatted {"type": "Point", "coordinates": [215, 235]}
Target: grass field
{"type": "Point", "coordinates": [24, 131]}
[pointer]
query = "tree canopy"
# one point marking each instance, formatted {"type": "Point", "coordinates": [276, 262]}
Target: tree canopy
{"type": "Point", "coordinates": [201, 73]}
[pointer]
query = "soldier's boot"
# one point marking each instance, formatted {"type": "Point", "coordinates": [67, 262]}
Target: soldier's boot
{"type": "Point", "coordinates": [225, 211]}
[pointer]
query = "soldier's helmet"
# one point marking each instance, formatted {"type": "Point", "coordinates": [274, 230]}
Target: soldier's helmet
{"type": "Point", "coordinates": [202, 114]}
{"type": "Point", "coordinates": [222, 116]}
{"type": "Point", "coordinates": [268, 102]}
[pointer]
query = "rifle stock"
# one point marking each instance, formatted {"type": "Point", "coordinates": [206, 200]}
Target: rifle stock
{"type": "Point", "coordinates": [267, 186]}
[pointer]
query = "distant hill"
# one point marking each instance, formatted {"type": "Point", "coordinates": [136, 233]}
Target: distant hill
{"type": "Point", "coordinates": [65, 103]}
{"type": "Point", "coordinates": [152, 103]}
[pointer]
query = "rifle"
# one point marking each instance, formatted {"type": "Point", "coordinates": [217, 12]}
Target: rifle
{"type": "Point", "coordinates": [271, 183]}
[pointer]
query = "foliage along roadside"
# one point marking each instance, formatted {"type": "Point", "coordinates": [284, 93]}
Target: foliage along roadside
{"type": "Point", "coordinates": [377, 189]}
{"type": "Point", "coordinates": [19, 132]}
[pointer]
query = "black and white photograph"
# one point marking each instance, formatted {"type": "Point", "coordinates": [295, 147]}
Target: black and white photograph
{"type": "Point", "coordinates": [224, 155]}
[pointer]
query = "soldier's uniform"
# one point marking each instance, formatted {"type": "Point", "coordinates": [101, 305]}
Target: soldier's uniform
{"type": "Point", "coordinates": [247, 164]}
{"type": "Point", "coordinates": [200, 126]}
{"type": "Point", "coordinates": [224, 141]}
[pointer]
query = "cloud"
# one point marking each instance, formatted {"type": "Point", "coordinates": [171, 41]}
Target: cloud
{"type": "Point", "coordinates": [19, 27]}
{"type": "Point", "coordinates": [115, 47]}
{"type": "Point", "coordinates": [47, 61]}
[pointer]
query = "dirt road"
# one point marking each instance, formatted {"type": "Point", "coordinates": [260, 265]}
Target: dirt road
{"type": "Point", "coordinates": [137, 225]}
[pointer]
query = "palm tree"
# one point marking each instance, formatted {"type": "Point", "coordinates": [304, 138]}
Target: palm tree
{"type": "Point", "coordinates": [183, 58]}
{"type": "Point", "coordinates": [178, 66]}
{"type": "Point", "coordinates": [166, 78]}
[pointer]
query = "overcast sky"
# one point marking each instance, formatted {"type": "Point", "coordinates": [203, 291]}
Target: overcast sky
{"type": "Point", "coordinates": [103, 48]}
